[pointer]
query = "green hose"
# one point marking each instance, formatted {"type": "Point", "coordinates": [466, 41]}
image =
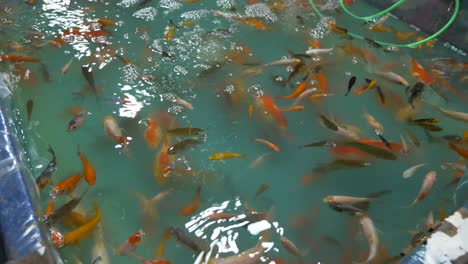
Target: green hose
{"type": "Point", "coordinates": [386, 11]}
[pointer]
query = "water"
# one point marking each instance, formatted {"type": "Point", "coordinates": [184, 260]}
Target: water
{"type": "Point", "coordinates": [204, 42]}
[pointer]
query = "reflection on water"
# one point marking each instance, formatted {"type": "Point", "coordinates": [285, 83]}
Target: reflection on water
{"type": "Point", "coordinates": [234, 230]}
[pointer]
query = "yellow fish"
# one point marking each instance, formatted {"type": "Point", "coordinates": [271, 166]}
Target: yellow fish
{"type": "Point", "coordinates": [226, 155]}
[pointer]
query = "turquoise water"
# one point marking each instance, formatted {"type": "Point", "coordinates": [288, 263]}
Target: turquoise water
{"type": "Point", "coordinates": [297, 209]}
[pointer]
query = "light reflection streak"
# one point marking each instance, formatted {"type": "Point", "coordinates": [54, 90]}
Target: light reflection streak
{"type": "Point", "coordinates": [131, 107]}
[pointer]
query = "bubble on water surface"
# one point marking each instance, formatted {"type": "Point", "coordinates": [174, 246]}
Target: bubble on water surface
{"type": "Point", "coordinates": [195, 14]}
{"type": "Point", "coordinates": [171, 5]}
{"type": "Point", "coordinates": [147, 14]}
{"type": "Point", "coordinates": [260, 10]}
{"type": "Point", "coordinates": [128, 3]}
{"type": "Point", "coordinates": [330, 5]}
{"type": "Point", "coordinates": [225, 4]}
{"type": "Point", "coordinates": [130, 73]}
{"type": "Point", "coordinates": [322, 29]}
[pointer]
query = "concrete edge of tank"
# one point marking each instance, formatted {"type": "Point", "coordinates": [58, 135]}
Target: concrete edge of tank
{"type": "Point", "coordinates": [24, 236]}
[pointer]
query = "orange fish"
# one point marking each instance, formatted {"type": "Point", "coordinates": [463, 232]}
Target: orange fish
{"type": "Point", "coordinates": [66, 186]}
{"type": "Point", "coordinates": [57, 237]}
{"type": "Point", "coordinates": [106, 22]}
{"type": "Point", "coordinates": [299, 89]}
{"type": "Point", "coordinates": [193, 206]}
{"type": "Point", "coordinates": [17, 58]}
{"type": "Point", "coordinates": [253, 22]}
{"type": "Point", "coordinates": [161, 163]}
{"type": "Point", "coordinates": [294, 108]}
{"type": "Point", "coordinates": [169, 32]}
{"type": "Point", "coordinates": [74, 219]}
{"type": "Point", "coordinates": [113, 129]}
{"type": "Point", "coordinates": [339, 30]}
{"type": "Point", "coordinates": [419, 73]}
{"type": "Point", "coordinates": [50, 207]}
{"type": "Point", "coordinates": [316, 44]}
{"type": "Point", "coordinates": [268, 144]}
{"type": "Point", "coordinates": [222, 215]}
{"type": "Point", "coordinates": [462, 152]}
{"type": "Point", "coordinates": [129, 246]}
{"type": "Point", "coordinates": [251, 109]}
{"type": "Point", "coordinates": [88, 171]}
{"type": "Point", "coordinates": [379, 28]}
{"type": "Point", "coordinates": [75, 236]}
{"type": "Point", "coordinates": [153, 133]}
{"type": "Point", "coordinates": [159, 253]}
{"type": "Point", "coordinates": [404, 36]}
{"type": "Point", "coordinates": [272, 109]}
{"type": "Point", "coordinates": [365, 87]}
{"type": "Point", "coordinates": [342, 150]}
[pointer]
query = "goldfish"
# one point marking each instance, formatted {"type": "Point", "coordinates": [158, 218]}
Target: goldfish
{"type": "Point", "coordinates": [339, 30]}
{"type": "Point", "coordinates": [249, 256]}
{"type": "Point", "coordinates": [250, 111]}
{"type": "Point", "coordinates": [267, 143]}
{"type": "Point", "coordinates": [428, 182]}
{"type": "Point", "coordinates": [75, 236]}
{"type": "Point", "coordinates": [411, 170]}
{"type": "Point", "coordinates": [88, 170]}
{"type": "Point", "coordinates": [29, 108]}
{"type": "Point", "coordinates": [272, 109]}
{"type": "Point", "coordinates": [404, 146]}
{"type": "Point", "coordinates": [304, 94]}
{"type": "Point", "coordinates": [419, 73]}
{"type": "Point", "coordinates": [321, 81]}
{"type": "Point", "coordinates": [17, 58]}
{"type": "Point", "coordinates": [372, 150]}
{"type": "Point", "coordinates": [192, 207]}
{"type": "Point", "coordinates": [374, 124]}
{"type": "Point", "coordinates": [77, 121]}
{"type": "Point", "coordinates": [293, 108]}
{"type": "Point", "coordinates": [50, 207]}
{"type": "Point", "coordinates": [365, 87]}
{"type": "Point", "coordinates": [373, 43]}
{"type": "Point", "coordinates": [290, 247]}
{"type": "Point", "coordinates": [379, 28]}
{"type": "Point", "coordinates": [226, 155]}
{"type": "Point", "coordinates": [14, 46]}
{"type": "Point", "coordinates": [391, 76]}
{"type": "Point", "coordinates": [460, 116]}
{"type": "Point", "coordinates": [259, 160]}
{"type": "Point", "coordinates": [45, 177]}
{"type": "Point", "coordinates": [66, 185]}
{"type": "Point", "coordinates": [66, 67]}
{"type": "Point", "coordinates": [161, 162]}
{"type": "Point", "coordinates": [169, 32]}
{"type": "Point", "coordinates": [462, 152]}
{"type": "Point", "coordinates": [404, 36]}
{"type": "Point", "coordinates": [351, 83]}
{"type": "Point", "coordinates": [183, 103]}
{"type": "Point", "coordinates": [106, 22]}
{"type": "Point", "coordinates": [152, 133]}
{"type": "Point", "coordinates": [99, 253]}
{"type": "Point", "coordinates": [370, 232]}
{"type": "Point", "coordinates": [112, 129]}
{"type": "Point", "coordinates": [312, 51]}
{"type": "Point", "coordinates": [299, 89]}
{"type": "Point", "coordinates": [159, 253]}
{"type": "Point", "coordinates": [149, 213]}
{"type": "Point", "coordinates": [57, 237]}
{"type": "Point", "coordinates": [129, 246]}
{"type": "Point", "coordinates": [254, 23]}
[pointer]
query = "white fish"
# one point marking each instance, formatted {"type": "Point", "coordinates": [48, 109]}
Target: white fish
{"type": "Point", "coordinates": [259, 160]}
{"type": "Point", "coordinates": [250, 256]}
{"type": "Point", "coordinates": [303, 95]}
{"type": "Point", "coordinates": [66, 67]}
{"type": "Point", "coordinates": [391, 76]}
{"type": "Point", "coordinates": [183, 103]}
{"type": "Point", "coordinates": [410, 171]}
{"type": "Point", "coordinates": [281, 62]}
{"type": "Point", "coordinates": [382, 20]}
{"type": "Point", "coordinates": [461, 116]}
{"type": "Point", "coordinates": [426, 186]}
{"type": "Point", "coordinates": [404, 146]}
{"type": "Point", "coordinates": [99, 253]}
{"type": "Point", "coordinates": [370, 232]}
{"type": "Point", "coordinates": [312, 51]}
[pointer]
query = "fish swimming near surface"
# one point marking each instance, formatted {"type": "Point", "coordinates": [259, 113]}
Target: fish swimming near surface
{"type": "Point", "coordinates": [351, 83]}
{"type": "Point", "coordinates": [45, 178]}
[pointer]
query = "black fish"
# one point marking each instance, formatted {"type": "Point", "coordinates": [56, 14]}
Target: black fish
{"type": "Point", "coordinates": [181, 237]}
{"type": "Point", "coordinates": [64, 210]}
{"type": "Point", "coordinates": [380, 95]}
{"type": "Point", "coordinates": [373, 43]}
{"type": "Point", "coordinates": [339, 207]}
{"type": "Point", "coordinates": [320, 143]}
{"type": "Point", "coordinates": [351, 82]}
{"type": "Point", "coordinates": [87, 72]}
{"type": "Point", "coordinates": [47, 173]}
{"type": "Point", "coordinates": [29, 108]}
{"type": "Point", "coordinates": [183, 145]}
{"type": "Point", "coordinates": [416, 91]}
{"type": "Point", "coordinates": [385, 141]}
{"type": "Point", "coordinates": [45, 73]}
